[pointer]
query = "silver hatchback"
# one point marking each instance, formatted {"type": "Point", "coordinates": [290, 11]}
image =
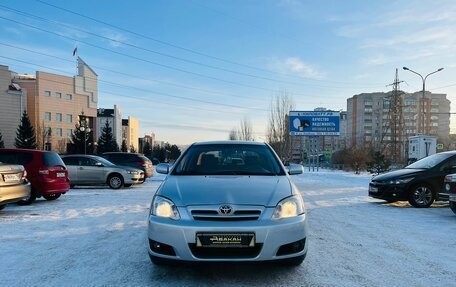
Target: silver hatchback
{"type": "Point", "coordinates": [227, 201]}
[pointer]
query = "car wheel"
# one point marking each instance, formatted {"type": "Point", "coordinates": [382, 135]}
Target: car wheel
{"type": "Point", "coordinates": [29, 200]}
{"type": "Point", "coordinates": [128, 185]}
{"type": "Point", "coordinates": [421, 196]}
{"type": "Point", "coordinates": [72, 185]}
{"type": "Point", "coordinates": [2, 206]}
{"type": "Point", "coordinates": [115, 181]}
{"type": "Point", "coordinates": [52, 196]}
{"type": "Point", "coordinates": [294, 261]}
{"type": "Point", "coordinates": [453, 206]}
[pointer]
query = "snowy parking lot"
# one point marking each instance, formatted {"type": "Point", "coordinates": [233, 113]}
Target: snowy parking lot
{"type": "Point", "coordinates": [93, 236]}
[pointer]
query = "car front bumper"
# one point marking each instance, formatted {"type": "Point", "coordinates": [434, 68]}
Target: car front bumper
{"type": "Point", "coordinates": [269, 237]}
{"type": "Point", "coordinates": [14, 193]}
{"type": "Point", "coordinates": [388, 191]}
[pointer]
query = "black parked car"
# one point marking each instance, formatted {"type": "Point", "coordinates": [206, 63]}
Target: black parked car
{"type": "Point", "coordinates": [135, 160]}
{"type": "Point", "coordinates": [450, 189]}
{"type": "Point", "coordinates": [418, 183]}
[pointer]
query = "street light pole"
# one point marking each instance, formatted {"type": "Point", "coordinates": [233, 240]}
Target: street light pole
{"type": "Point", "coordinates": [423, 94]}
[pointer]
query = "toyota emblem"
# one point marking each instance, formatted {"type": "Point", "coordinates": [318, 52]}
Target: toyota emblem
{"type": "Point", "coordinates": [225, 209]}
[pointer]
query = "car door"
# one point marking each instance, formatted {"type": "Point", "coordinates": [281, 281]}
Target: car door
{"type": "Point", "coordinates": [447, 167]}
{"type": "Point", "coordinates": [72, 164]}
{"type": "Point", "coordinates": [89, 172]}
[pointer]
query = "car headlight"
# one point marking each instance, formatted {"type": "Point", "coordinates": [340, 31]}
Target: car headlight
{"type": "Point", "coordinates": [401, 181]}
{"type": "Point", "coordinates": [289, 207]}
{"type": "Point", "coordinates": [163, 207]}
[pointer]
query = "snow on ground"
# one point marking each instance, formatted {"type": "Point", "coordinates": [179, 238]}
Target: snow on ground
{"type": "Point", "coordinates": [97, 236]}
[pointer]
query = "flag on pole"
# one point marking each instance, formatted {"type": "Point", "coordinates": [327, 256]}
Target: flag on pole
{"type": "Point", "coordinates": [75, 51]}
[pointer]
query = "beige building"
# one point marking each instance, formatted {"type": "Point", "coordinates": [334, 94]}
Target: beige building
{"type": "Point", "coordinates": [13, 101]}
{"type": "Point", "coordinates": [369, 118]}
{"type": "Point", "coordinates": [130, 132]}
{"type": "Point", "coordinates": [55, 103]}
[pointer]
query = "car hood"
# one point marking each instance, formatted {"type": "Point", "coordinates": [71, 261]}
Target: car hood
{"type": "Point", "coordinates": [400, 173]}
{"type": "Point", "coordinates": [249, 190]}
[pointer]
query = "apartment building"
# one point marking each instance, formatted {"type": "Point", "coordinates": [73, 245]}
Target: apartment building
{"type": "Point", "coordinates": [114, 118]}
{"type": "Point", "coordinates": [13, 101]}
{"type": "Point", "coordinates": [130, 132]}
{"type": "Point", "coordinates": [370, 118]}
{"type": "Point", "coordinates": [146, 139]}
{"type": "Point", "coordinates": [55, 103]}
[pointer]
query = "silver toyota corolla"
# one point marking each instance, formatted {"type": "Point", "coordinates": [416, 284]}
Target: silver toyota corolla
{"type": "Point", "coordinates": [228, 201]}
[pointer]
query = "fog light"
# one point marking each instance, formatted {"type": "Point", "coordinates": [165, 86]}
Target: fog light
{"type": "Point", "coordinates": [291, 248]}
{"type": "Point", "coordinates": [161, 248]}
{"type": "Point", "coordinates": [447, 187]}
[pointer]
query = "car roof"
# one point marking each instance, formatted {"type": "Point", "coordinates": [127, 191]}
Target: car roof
{"type": "Point", "coordinates": [229, 143]}
{"type": "Point", "coordinates": [23, 150]}
{"type": "Point", "coordinates": [123, 152]}
{"type": "Point", "coordinates": [80, 155]}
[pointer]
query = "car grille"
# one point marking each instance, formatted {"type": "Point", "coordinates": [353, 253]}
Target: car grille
{"type": "Point", "coordinates": [237, 215]}
{"type": "Point", "coordinates": [224, 252]}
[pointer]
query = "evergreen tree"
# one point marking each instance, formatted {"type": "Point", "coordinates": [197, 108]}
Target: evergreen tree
{"type": "Point", "coordinates": [25, 134]}
{"type": "Point", "coordinates": [174, 152]}
{"type": "Point", "coordinates": [82, 140]}
{"type": "Point", "coordinates": [124, 147]}
{"type": "Point", "coordinates": [147, 149]}
{"type": "Point", "coordinates": [107, 142]}
{"type": "Point", "coordinates": [132, 149]}
{"type": "Point", "coordinates": [2, 144]}
{"type": "Point", "coordinates": [379, 164]}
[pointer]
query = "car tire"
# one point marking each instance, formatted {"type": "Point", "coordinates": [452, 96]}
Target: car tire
{"type": "Point", "coordinates": [421, 196]}
{"type": "Point", "coordinates": [2, 206]}
{"type": "Point", "coordinates": [115, 181]}
{"type": "Point", "coordinates": [294, 261]}
{"type": "Point", "coordinates": [31, 199]}
{"type": "Point", "coordinates": [453, 206]}
{"type": "Point", "coordinates": [128, 185]}
{"type": "Point", "coordinates": [52, 196]}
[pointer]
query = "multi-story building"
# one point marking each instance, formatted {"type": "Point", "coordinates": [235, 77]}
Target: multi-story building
{"type": "Point", "coordinates": [146, 139]}
{"type": "Point", "coordinates": [114, 118]}
{"type": "Point", "coordinates": [370, 118]}
{"type": "Point", "coordinates": [130, 131]}
{"type": "Point", "coordinates": [13, 102]}
{"type": "Point", "coordinates": [55, 103]}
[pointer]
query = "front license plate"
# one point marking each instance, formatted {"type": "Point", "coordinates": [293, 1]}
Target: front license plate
{"type": "Point", "coordinates": [453, 197]}
{"type": "Point", "coordinates": [225, 239]}
{"type": "Point", "coordinates": [11, 178]}
{"type": "Point", "coordinates": [60, 174]}
{"type": "Point", "coordinates": [373, 189]}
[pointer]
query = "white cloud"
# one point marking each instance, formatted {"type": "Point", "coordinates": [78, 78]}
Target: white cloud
{"type": "Point", "coordinates": [296, 66]}
{"type": "Point", "coordinates": [114, 35]}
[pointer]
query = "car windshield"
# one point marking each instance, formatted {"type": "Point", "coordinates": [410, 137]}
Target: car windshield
{"type": "Point", "coordinates": [430, 161]}
{"type": "Point", "coordinates": [105, 162]}
{"type": "Point", "coordinates": [228, 159]}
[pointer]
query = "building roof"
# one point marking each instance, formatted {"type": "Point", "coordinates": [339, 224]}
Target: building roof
{"type": "Point", "coordinates": [81, 61]}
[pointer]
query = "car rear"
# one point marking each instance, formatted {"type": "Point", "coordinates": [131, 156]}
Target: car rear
{"type": "Point", "coordinates": [14, 185]}
{"type": "Point", "coordinates": [52, 175]}
{"type": "Point", "coordinates": [134, 160]}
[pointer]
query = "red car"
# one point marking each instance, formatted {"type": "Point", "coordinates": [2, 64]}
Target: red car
{"type": "Point", "coordinates": [45, 170]}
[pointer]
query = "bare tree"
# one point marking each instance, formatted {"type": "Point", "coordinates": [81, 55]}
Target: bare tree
{"type": "Point", "coordinates": [245, 132]}
{"type": "Point", "coordinates": [233, 135]}
{"type": "Point", "coordinates": [278, 134]}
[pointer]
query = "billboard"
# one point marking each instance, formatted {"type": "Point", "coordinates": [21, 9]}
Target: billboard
{"type": "Point", "coordinates": [314, 123]}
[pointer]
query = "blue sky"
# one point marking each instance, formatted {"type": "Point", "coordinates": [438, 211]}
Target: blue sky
{"type": "Point", "coordinates": [318, 52]}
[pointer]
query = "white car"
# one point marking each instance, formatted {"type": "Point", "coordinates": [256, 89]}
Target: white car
{"type": "Point", "coordinates": [227, 201]}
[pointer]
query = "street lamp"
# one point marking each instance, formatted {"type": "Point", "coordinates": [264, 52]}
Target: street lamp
{"type": "Point", "coordinates": [86, 130]}
{"type": "Point", "coordinates": [424, 90]}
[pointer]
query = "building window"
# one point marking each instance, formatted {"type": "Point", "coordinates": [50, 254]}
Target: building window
{"type": "Point", "coordinates": [434, 124]}
{"type": "Point", "coordinates": [368, 102]}
{"type": "Point", "coordinates": [47, 116]}
{"type": "Point", "coordinates": [47, 93]}
{"type": "Point", "coordinates": [58, 95]}
{"type": "Point", "coordinates": [367, 124]}
{"type": "Point", "coordinates": [69, 118]}
{"type": "Point", "coordinates": [47, 132]}
{"type": "Point", "coordinates": [434, 110]}
{"type": "Point", "coordinates": [434, 101]}
{"type": "Point", "coordinates": [58, 117]}
{"type": "Point", "coordinates": [386, 104]}
{"type": "Point", "coordinates": [434, 118]}
{"type": "Point", "coordinates": [368, 110]}
{"type": "Point", "coordinates": [47, 146]}
{"type": "Point", "coordinates": [58, 132]}
{"type": "Point", "coordinates": [410, 102]}
{"type": "Point", "coordinates": [69, 133]}
{"type": "Point", "coordinates": [69, 97]}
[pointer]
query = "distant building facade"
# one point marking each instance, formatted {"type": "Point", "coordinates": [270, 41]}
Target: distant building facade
{"type": "Point", "coordinates": [146, 139]}
{"type": "Point", "coordinates": [55, 103]}
{"type": "Point", "coordinates": [13, 102]}
{"type": "Point", "coordinates": [130, 132]}
{"type": "Point", "coordinates": [114, 118]}
{"type": "Point", "coordinates": [369, 118]}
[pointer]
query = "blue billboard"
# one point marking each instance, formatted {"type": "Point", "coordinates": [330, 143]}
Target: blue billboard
{"type": "Point", "coordinates": [314, 123]}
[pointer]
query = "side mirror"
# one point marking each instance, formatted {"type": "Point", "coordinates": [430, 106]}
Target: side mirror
{"type": "Point", "coordinates": [162, 168]}
{"type": "Point", "coordinates": [99, 164]}
{"type": "Point", "coordinates": [295, 169]}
